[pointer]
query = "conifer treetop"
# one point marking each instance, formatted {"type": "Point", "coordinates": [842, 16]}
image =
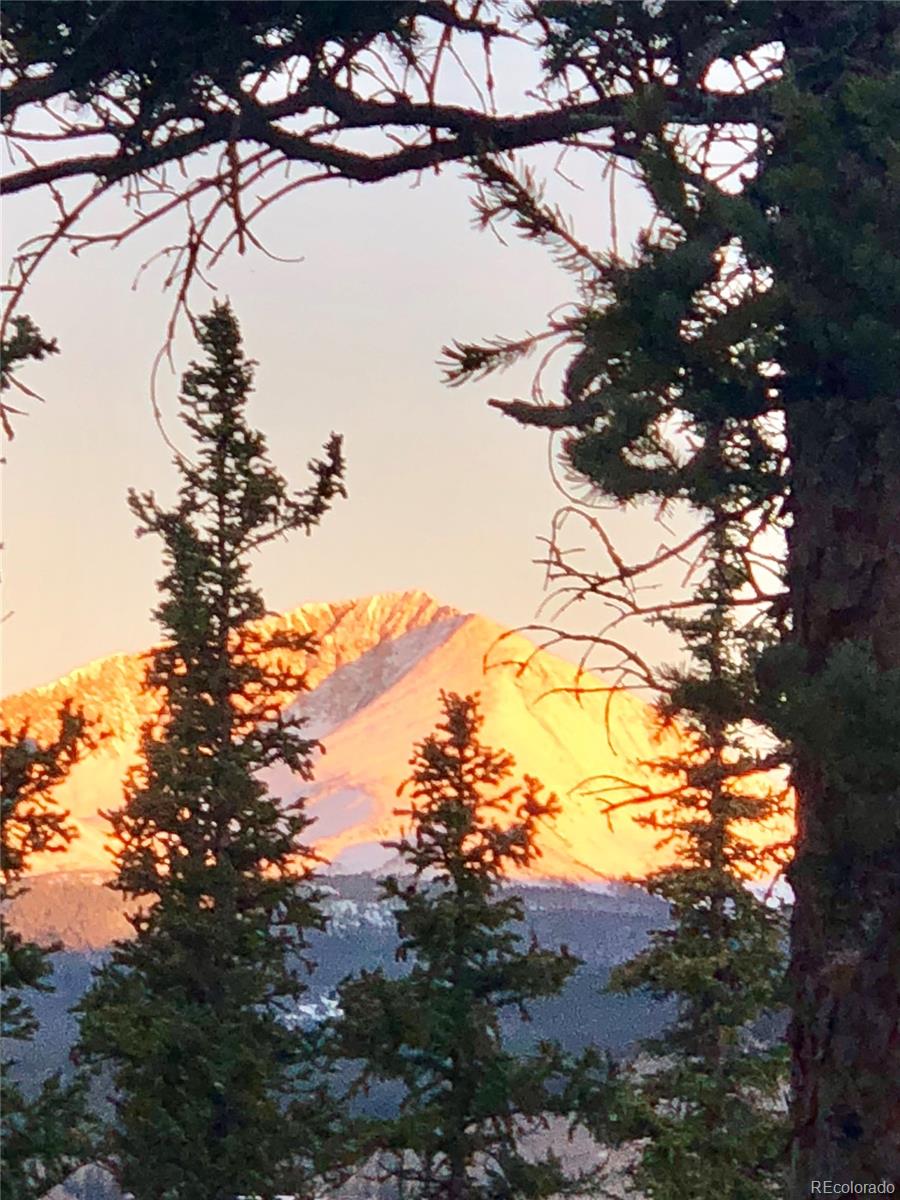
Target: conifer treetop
{"type": "Point", "coordinates": [468, 1099]}
{"type": "Point", "coordinates": [196, 1014]}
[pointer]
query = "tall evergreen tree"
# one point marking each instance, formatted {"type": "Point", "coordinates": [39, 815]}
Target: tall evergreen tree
{"type": "Point", "coordinates": [192, 1013]}
{"type": "Point", "coordinates": [46, 1137]}
{"type": "Point", "coordinates": [709, 1103]}
{"type": "Point", "coordinates": [467, 1099]}
{"type": "Point", "coordinates": [745, 355]}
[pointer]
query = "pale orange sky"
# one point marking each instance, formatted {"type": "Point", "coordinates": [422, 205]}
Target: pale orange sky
{"type": "Point", "coordinates": [445, 494]}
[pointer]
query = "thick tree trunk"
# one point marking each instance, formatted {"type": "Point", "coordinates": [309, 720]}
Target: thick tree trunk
{"type": "Point", "coordinates": [844, 563]}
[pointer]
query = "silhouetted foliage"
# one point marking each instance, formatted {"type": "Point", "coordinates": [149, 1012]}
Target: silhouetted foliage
{"type": "Point", "coordinates": [467, 1100]}
{"type": "Point", "coordinates": [196, 1014]}
{"type": "Point", "coordinates": [743, 359]}
{"type": "Point", "coordinates": [26, 342]}
{"type": "Point", "coordinates": [709, 1096]}
{"type": "Point", "coordinates": [45, 1137]}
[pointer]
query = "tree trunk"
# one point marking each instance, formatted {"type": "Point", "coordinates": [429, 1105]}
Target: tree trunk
{"type": "Point", "coordinates": [844, 573]}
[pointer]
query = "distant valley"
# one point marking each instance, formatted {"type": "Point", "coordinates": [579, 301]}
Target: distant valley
{"type": "Point", "coordinates": [599, 927]}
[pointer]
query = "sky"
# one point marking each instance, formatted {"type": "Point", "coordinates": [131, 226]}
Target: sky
{"type": "Point", "coordinates": [445, 494]}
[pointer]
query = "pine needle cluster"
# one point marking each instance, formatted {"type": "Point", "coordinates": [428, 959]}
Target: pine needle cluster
{"type": "Point", "coordinates": [45, 1136]}
{"type": "Point", "coordinates": [708, 1094]}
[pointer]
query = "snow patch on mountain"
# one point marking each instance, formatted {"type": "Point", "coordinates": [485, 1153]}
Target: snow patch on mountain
{"type": "Point", "coordinates": [352, 687]}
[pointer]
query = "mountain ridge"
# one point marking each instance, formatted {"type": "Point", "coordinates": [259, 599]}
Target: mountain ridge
{"type": "Point", "coordinates": [374, 685]}
{"type": "Point", "coordinates": [387, 611]}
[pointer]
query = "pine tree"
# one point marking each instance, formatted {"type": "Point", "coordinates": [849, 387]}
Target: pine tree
{"type": "Point", "coordinates": [46, 1137]}
{"type": "Point", "coordinates": [192, 1014]}
{"type": "Point", "coordinates": [710, 1102]}
{"type": "Point", "coordinates": [744, 353]}
{"type": "Point", "coordinates": [467, 1098]}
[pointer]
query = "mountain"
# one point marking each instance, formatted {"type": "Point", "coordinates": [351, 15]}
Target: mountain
{"type": "Point", "coordinates": [374, 687]}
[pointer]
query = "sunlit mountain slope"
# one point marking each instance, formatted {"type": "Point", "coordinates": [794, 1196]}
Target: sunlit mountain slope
{"type": "Point", "coordinates": [375, 684]}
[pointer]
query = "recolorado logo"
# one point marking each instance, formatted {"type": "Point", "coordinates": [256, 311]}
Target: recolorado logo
{"type": "Point", "coordinates": [828, 1187]}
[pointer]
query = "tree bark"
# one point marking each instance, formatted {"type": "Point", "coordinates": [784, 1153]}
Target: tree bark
{"type": "Point", "coordinates": [844, 572]}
